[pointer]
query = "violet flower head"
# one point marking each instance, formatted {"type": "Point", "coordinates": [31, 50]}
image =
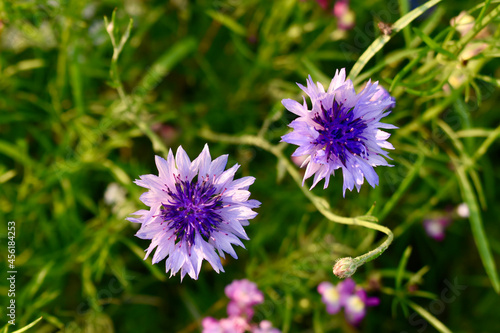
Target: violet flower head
{"type": "Point", "coordinates": [436, 227]}
{"type": "Point", "coordinates": [243, 295]}
{"type": "Point", "coordinates": [342, 130]}
{"type": "Point", "coordinates": [195, 208]}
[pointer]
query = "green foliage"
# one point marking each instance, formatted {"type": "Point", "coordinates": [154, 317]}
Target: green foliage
{"type": "Point", "coordinates": [87, 102]}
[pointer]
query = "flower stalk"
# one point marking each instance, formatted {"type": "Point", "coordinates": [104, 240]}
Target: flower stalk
{"type": "Point", "coordinates": [366, 221]}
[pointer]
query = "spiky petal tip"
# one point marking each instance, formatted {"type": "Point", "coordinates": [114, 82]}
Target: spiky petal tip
{"type": "Point", "coordinates": [342, 130]}
{"type": "Point", "coordinates": [196, 208]}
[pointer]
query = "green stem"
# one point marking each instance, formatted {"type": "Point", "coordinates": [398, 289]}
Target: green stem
{"type": "Point", "coordinates": [320, 203]}
{"type": "Point", "coordinates": [130, 106]}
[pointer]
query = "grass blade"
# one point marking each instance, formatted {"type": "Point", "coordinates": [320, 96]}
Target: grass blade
{"type": "Point", "coordinates": [382, 40]}
{"type": "Point", "coordinates": [405, 184]}
{"type": "Point", "coordinates": [27, 327]}
{"type": "Point", "coordinates": [430, 318]}
{"type": "Point", "coordinates": [227, 21]}
{"type": "Point", "coordinates": [433, 45]}
{"type": "Point", "coordinates": [478, 229]}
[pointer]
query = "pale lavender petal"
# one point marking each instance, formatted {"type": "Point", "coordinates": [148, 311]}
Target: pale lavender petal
{"type": "Point", "coordinates": [187, 215]}
{"type": "Point", "coordinates": [341, 131]}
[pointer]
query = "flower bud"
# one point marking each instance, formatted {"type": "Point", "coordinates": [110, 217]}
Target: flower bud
{"type": "Point", "coordinates": [344, 267]}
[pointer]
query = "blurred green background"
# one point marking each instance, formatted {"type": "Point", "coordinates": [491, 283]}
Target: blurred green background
{"type": "Point", "coordinates": [74, 135]}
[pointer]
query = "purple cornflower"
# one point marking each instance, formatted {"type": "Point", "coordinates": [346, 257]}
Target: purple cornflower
{"type": "Point", "coordinates": [342, 130]}
{"type": "Point", "coordinates": [436, 227]}
{"type": "Point", "coordinates": [195, 208]}
{"type": "Point", "coordinates": [348, 296]}
{"type": "Point", "coordinates": [244, 295]}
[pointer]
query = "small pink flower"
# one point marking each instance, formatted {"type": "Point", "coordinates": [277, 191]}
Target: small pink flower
{"type": "Point", "coordinates": [225, 325]}
{"type": "Point", "coordinates": [265, 326]}
{"type": "Point", "coordinates": [436, 227]}
{"type": "Point", "coordinates": [323, 3]}
{"type": "Point", "coordinates": [355, 306]}
{"type": "Point", "coordinates": [330, 296]}
{"type": "Point", "coordinates": [346, 18]}
{"type": "Point", "coordinates": [463, 210]}
{"type": "Point", "coordinates": [349, 296]}
{"type": "Point", "coordinates": [243, 295]}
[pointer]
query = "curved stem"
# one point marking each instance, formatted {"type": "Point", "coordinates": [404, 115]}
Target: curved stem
{"type": "Point", "coordinates": [320, 203]}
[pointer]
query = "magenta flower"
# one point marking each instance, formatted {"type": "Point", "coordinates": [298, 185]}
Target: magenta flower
{"type": "Point", "coordinates": [348, 296]}
{"type": "Point", "coordinates": [196, 208]}
{"type": "Point", "coordinates": [243, 295]}
{"type": "Point", "coordinates": [330, 296]}
{"type": "Point", "coordinates": [323, 3]}
{"type": "Point", "coordinates": [225, 325]}
{"type": "Point", "coordinates": [436, 227]}
{"type": "Point", "coordinates": [342, 130]}
{"type": "Point", "coordinates": [355, 306]}
{"type": "Point", "coordinates": [346, 18]}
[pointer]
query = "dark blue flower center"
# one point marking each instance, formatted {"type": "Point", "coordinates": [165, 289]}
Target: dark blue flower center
{"type": "Point", "coordinates": [341, 133]}
{"type": "Point", "coordinates": [192, 207]}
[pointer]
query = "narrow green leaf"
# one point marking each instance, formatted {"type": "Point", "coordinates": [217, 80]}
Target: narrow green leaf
{"type": "Point", "coordinates": [164, 65]}
{"type": "Point", "coordinates": [402, 266]}
{"type": "Point", "coordinates": [140, 253]}
{"type": "Point", "coordinates": [478, 229]}
{"type": "Point", "coordinates": [382, 40]}
{"type": "Point", "coordinates": [486, 143]}
{"type": "Point", "coordinates": [405, 184]}
{"type": "Point", "coordinates": [27, 327]}
{"type": "Point", "coordinates": [76, 81]}
{"type": "Point", "coordinates": [118, 172]}
{"type": "Point", "coordinates": [489, 79]}
{"type": "Point", "coordinates": [315, 71]}
{"type": "Point", "coordinates": [227, 21]}
{"type": "Point", "coordinates": [404, 8]}
{"type": "Point", "coordinates": [405, 70]}
{"type": "Point", "coordinates": [433, 45]}
{"type": "Point", "coordinates": [430, 318]}
{"type": "Point", "coordinates": [8, 175]}
{"type": "Point", "coordinates": [479, 188]}
{"type": "Point", "coordinates": [16, 153]}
